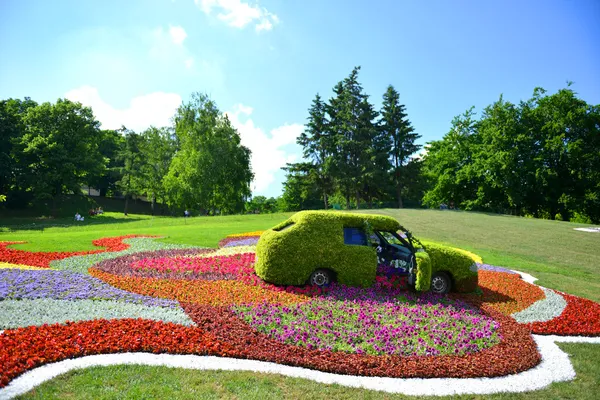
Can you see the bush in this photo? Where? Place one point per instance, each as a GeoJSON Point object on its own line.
{"type": "Point", "coordinates": [580, 218]}
{"type": "Point", "coordinates": [423, 281]}
{"type": "Point", "coordinates": [456, 262]}
{"type": "Point", "coordinates": [309, 240]}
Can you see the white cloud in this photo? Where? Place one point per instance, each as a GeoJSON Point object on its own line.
{"type": "Point", "coordinates": [421, 153]}
{"type": "Point", "coordinates": [268, 155]}
{"type": "Point", "coordinates": [167, 47]}
{"type": "Point", "coordinates": [238, 14]}
{"type": "Point", "coordinates": [177, 34]}
{"type": "Point", "coordinates": [152, 109]}
{"type": "Point", "coordinates": [189, 63]}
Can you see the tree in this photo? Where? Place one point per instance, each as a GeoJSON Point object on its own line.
{"type": "Point", "coordinates": [59, 148]}
{"type": "Point", "coordinates": [569, 145]}
{"type": "Point", "coordinates": [397, 127]}
{"type": "Point", "coordinates": [111, 144]}
{"type": "Point", "coordinates": [446, 164]}
{"type": "Point", "coordinates": [158, 150]}
{"type": "Point", "coordinates": [373, 159]}
{"type": "Point", "coordinates": [12, 129]}
{"type": "Point", "coordinates": [352, 129]}
{"type": "Point", "coordinates": [537, 158]}
{"type": "Point", "coordinates": [317, 148]}
{"type": "Point", "coordinates": [211, 169]}
{"type": "Point", "coordinates": [133, 164]}
{"type": "Point", "coordinates": [300, 191]}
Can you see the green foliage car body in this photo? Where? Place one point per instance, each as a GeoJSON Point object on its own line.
{"type": "Point", "coordinates": [321, 246]}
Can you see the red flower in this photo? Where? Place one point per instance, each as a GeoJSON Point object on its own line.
{"type": "Point", "coordinates": [581, 317]}
{"type": "Point", "coordinates": [43, 259]}
{"type": "Point", "coordinates": [26, 348]}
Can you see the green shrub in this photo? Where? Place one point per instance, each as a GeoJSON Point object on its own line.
{"type": "Point", "coordinates": [289, 252]}
{"type": "Point", "coordinates": [558, 217]}
{"type": "Point", "coordinates": [456, 263]}
{"type": "Point", "coordinates": [580, 218]}
{"type": "Point", "coordinates": [423, 281]}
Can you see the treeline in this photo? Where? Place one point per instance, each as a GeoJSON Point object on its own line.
{"type": "Point", "coordinates": [355, 155]}
{"type": "Point", "coordinates": [540, 158]}
{"type": "Point", "coordinates": [49, 150]}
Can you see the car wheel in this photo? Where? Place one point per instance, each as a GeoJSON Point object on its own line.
{"type": "Point", "coordinates": [440, 283]}
{"type": "Point", "coordinates": [320, 277]}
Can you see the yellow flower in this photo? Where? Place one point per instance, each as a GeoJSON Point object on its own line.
{"type": "Point", "coordinates": [255, 233]}
{"type": "Point", "coordinates": [5, 265]}
{"type": "Point", "coordinates": [472, 256]}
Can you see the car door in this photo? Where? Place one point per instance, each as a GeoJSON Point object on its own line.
{"type": "Point", "coordinates": [395, 253]}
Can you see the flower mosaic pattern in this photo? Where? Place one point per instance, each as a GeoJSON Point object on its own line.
{"type": "Point", "coordinates": [35, 312]}
{"type": "Point", "coordinates": [137, 294]}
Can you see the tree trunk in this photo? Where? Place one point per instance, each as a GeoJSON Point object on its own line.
{"type": "Point", "coordinates": [325, 200]}
{"type": "Point", "coordinates": [347, 202]}
{"type": "Point", "coordinates": [153, 205]}
{"type": "Point", "coordinates": [399, 194]}
{"type": "Point", "coordinates": [357, 199]}
{"type": "Point", "coordinates": [126, 203]}
{"type": "Point", "coordinates": [54, 200]}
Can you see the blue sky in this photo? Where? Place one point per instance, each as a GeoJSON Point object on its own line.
{"type": "Point", "coordinates": [263, 62]}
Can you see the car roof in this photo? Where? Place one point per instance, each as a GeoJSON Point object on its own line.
{"type": "Point", "coordinates": [348, 219]}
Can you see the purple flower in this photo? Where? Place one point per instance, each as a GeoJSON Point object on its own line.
{"type": "Point", "coordinates": [66, 285]}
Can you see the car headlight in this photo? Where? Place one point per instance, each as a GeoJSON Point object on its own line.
{"type": "Point", "coordinates": [474, 267]}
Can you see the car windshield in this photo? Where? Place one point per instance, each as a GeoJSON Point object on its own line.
{"type": "Point", "coordinates": [391, 238]}
{"type": "Point", "coordinates": [399, 238]}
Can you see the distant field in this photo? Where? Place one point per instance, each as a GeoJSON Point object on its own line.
{"type": "Point", "coordinates": [562, 258]}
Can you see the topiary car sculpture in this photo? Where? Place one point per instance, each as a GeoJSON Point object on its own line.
{"type": "Point", "coordinates": [319, 247]}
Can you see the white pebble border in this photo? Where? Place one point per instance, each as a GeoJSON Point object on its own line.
{"type": "Point", "coordinates": [555, 367]}
{"type": "Point", "coordinates": [526, 277]}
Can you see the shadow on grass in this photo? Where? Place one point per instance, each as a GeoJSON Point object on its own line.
{"type": "Point", "coordinates": [39, 224]}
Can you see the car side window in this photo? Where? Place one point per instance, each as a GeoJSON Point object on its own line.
{"type": "Point", "coordinates": [374, 240]}
{"type": "Point", "coordinates": [355, 236]}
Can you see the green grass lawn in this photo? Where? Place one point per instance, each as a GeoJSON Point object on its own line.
{"type": "Point", "coordinates": [69, 235]}
{"type": "Point", "coordinates": [559, 256]}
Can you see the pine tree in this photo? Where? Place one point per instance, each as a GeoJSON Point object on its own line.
{"type": "Point", "coordinates": [397, 127]}
{"type": "Point", "coordinates": [317, 148]}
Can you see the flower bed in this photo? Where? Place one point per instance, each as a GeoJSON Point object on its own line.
{"type": "Point", "coordinates": [505, 292]}
{"type": "Point", "coordinates": [516, 352]}
{"type": "Point", "coordinates": [34, 312]}
{"type": "Point", "coordinates": [136, 245]}
{"type": "Point", "coordinates": [581, 317]}
{"type": "Point", "coordinates": [26, 348]}
{"type": "Point", "coordinates": [43, 259]}
{"type": "Point", "coordinates": [206, 268]}
{"type": "Point", "coordinates": [5, 265]}
{"type": "Point", "coordinates": [66, 285]}
{"type": "Point", "coordinates": [245, 234]}
{"type": "Point", "coordinates": [239, 241]}
{"type": "Point", "coordinates": [374, 327]}
{"type": "Point", "coordinates": [383, 330]}
{"type": "Point", "coordinates": [198, 291]}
